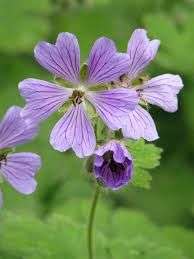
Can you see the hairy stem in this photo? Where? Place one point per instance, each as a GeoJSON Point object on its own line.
{"type": "Point", "coordinates": [91, 223]}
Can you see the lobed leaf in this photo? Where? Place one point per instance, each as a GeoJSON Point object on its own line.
{"type": "Point", "coordinates": [146, 156]}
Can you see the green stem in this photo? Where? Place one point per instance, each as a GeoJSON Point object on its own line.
{"type": "Point", "coordinates": [91, 223]}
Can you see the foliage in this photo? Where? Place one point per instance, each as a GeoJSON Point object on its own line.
{"type": "Point", "coordinates": [146, 156]}
{"type": "Point", "coordinates": [129, 234]}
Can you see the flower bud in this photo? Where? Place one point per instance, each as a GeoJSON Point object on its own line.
{"type": "Point", "coordinates": [113, 165]}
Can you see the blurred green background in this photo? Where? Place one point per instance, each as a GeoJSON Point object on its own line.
{"type": "Point", "coordinates": [154, 223]}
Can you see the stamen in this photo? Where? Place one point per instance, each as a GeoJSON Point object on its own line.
{"type": "Point", "coordinates": [77, 97]}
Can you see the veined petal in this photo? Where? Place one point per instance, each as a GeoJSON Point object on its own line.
{"type": "Point", "coordinates": [140, 124]}
{"type": "Point", "coordinates": [105, 64]}
{"type": "Point", "coordinates": [141, 51]}
{"type": "Point", "coordinates": [42, 98]}
{"type": "Point", "coordinates": [98, 160]}
{"type": "Point", "coordinates": [120, 152]}
{"type": "Point", "coordinates": [113, 105]}
{"type": "Point", "coordinates": [14, 130]}
{"type": "Point", "coordinates": [19, 170]}
{"type": "Point", "coordinates": [61, 59]}
{"type": "Point", "coordinates": [162, 91]}
{"type": "Point", "coordinates": [74, 130]}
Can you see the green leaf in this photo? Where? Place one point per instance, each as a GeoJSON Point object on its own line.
{"type": "Point", "coordinates": [146, 156]}
{"type": "Point", "coordinates": [141, 178]}
{"type": "Point", "coordinates": [182, 238]}
{"type": "Point", "coordinates": [23, 24]}
{"type": "Point", "coordinates": [118, 234]}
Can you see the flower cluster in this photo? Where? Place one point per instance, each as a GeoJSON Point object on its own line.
{"type": "Point", "coordinates": [110, 86]}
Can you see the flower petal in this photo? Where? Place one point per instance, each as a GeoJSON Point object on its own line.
{"type": "Point", "coordinates": [162, 91]}
{"type": "Point", "coordinates": [119, 152]}
{"type": "Point", "coordinates": [43, 98]}
{"type": "Point", "coordinates": [113, 165]}
{"type": "Point", "coordinates": [105, 64]}
{"type": "Point", "coordinates": [113, 180]}
{"type": "Point", "coordinates": [113, 105]}
{"type": "Point", "coordinates": [98, 160]}
{"type": "Point", "coordinates": [61, 59]}
{"type": "Point", "coordinates": [140, 124]}
{"type": "Point", "coordinates": [74, 131]}
{"type": "Point", "coordinates": [141, 51]}
{"type": "Point", "coordinates": [14, 130]}
{"type": "Point", "coordinates": [19, 170]}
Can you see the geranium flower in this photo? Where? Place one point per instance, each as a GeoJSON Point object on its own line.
{"type": "Point", "coordinates": [161, 90]}
{"type": "Point", "coordinates": [74, 130]}
{"type": "Point", "coordinates": [18, 169]}
{"type": "Point", "coordinates": [113, 165]}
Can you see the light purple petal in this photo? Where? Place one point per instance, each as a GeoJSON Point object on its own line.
{"type": "Point", "coordinates": [162, 91]}
{"type": "Point", "coordinates": [14, 130]}
{"type": "Point", "coordinates": [42, 98]}
{"type": "Point", "coordinates": [110, 146]}
{"type": "Point", "coordinates": [113, 105]}
{"type": "Point", "coordinates": [141, 51]}
{"type": "Point", "coordinates": [61, 59]}
{"type": "Point", "coordinates": [74, 131]}
{"type": "Point", "coordinates": [98, 160]}
{"type": "Point", "coordinates": [105, 64]}
{"type": "Point", "coordinates": [119, 152]}
{"type": "Point", "coordinates": [19, 170]}
{"type": "Point", "coordinates": [140, 125]}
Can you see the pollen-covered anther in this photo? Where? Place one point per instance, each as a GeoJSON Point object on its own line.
{"type": "Point", "coordinates": [77, 97]}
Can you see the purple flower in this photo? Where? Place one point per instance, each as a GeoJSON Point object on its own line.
{"type": "Point", "coordinates": [18, 169]}
{"type": "Point", "coordinates": [161, 90]}
{"type": "Point", "coordinates": [113, 165]}
{"type": "Point", "coordinates": [74, 130]}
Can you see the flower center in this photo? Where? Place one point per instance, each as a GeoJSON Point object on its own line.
{"type": "Point", "coordinates": [3, 154]}
{"type": "Point", "coordinates": [3, 157]}
{"type": "Point", "coordinates": [77, 97]}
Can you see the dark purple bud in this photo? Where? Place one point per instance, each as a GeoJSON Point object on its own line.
{"type": "Point", "coordinates": [113, 165]}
